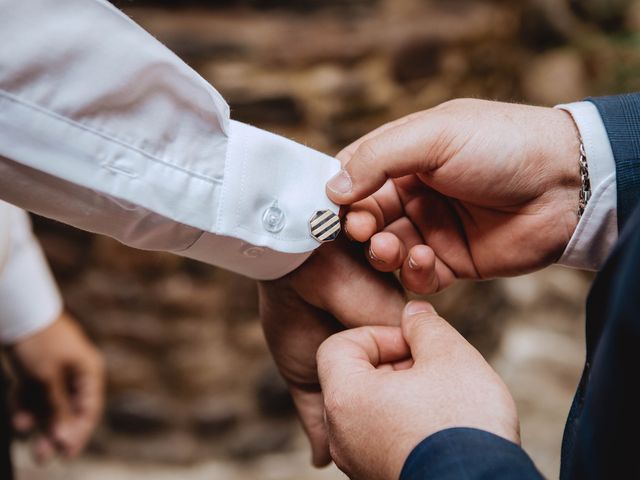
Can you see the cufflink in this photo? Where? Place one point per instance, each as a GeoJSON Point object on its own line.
{"type": "Point", "coordinates": [324, 226]}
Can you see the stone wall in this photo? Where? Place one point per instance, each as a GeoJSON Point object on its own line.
{"type": "Point", "coordinates": [189, 374]}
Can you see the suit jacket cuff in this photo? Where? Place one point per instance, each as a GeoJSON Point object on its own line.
{"type": "Point", "coordinates": [620, 116]}
{"type": "Point", "coordinates": [468, 453]}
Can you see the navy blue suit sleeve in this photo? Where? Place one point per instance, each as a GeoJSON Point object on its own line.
{"type": "Point", "coordinates": [621, 117]}
{"type": "Point", "coordinates": [468, 454]}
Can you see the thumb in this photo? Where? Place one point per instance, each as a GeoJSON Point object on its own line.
{"type": "Point", "coordinates": [355, 351]}
{"type": "Point", "coordinates": [60, 403]}
{"type": "Point", "coordinates": [428, 335]}
{"type": "Point", "coordinates": [403, 149]}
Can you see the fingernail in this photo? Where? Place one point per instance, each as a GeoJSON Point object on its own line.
{"type": "Point", "coordinates": [341, 183]}
{"type": "Point", "coordinates": [416, 307]}
{"type": "Point", "coordinates": [413, 265]}
{"type": "Point", "coordinates": [373, 256]}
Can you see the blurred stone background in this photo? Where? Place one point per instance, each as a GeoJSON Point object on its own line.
{"type": "Point", "coordinates": [192, 391]}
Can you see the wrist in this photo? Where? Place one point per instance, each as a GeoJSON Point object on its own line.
{"type": "Point", "coordinates": [567, 183]}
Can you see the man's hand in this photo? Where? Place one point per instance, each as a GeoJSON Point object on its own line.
{"type": "Point", "coordinates": [62, 388]}
{"type": "Point", "coordinates": [334, 289]}
{"type": "Point", "coordinates": [479, 189]}
{"type": "Point", "coordinates": [378, 410]}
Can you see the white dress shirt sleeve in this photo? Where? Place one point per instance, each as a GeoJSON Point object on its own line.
{"type": "Point", "coordinates": [29, 297]}
{"type": "Point", "coordinates": [104, 128]}
{"type": "Point", "coordinates": [597, 230]}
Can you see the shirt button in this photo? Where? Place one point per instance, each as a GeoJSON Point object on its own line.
{"type": "Point", "coordinates": [273, 219]}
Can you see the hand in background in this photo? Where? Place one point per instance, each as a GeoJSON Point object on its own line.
{"type": "Point", "coordinates": [62, 388]}
{"type": "Point", "coordinates": [378, 410]}
{"type": "Point", "coordinates": [469, 189]}
{"type": "Point", "coordinates": [334, 289]}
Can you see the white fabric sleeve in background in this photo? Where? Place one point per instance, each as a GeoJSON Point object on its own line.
{"type": "Point", "coordinates": [103, 128]}
{"type": "Point", "coordinates": [597, 230]}
{"type": "Point", "coordinates": [29, 297]}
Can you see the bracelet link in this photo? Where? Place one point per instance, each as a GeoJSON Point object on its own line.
{"type": "Point", "coordinates": [585, 182]}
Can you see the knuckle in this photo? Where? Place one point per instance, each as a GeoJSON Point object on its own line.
{"type": "Point", "coordinates": [431, 324]}
{"type": "Point", "coordinates": [367, 153]}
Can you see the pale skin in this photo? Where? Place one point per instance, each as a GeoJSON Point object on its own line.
{"type": "Point", "coordinates": [61, 370]}
{"type": "Point", "coordinates": [333, 290]}
{"type": "Point", "coordinates": [377, 411]}
{"type": "Point", "coordinates": [469, 189]}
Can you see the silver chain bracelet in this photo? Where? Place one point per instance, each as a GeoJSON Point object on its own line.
{"type": "Point", "coordinates": [585, 188]}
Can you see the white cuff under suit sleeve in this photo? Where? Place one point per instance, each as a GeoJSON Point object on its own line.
{"type": "Point", "coordinates": [597, 230]}
{"type": "Point", "coordinates": [104, 128]}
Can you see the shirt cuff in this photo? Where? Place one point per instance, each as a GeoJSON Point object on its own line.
{"type": "Point", "coordinates": [28, 293]}
{"type": "Point", "coordinates": [259, 263]}
{"type": "Point", "coordinates": [468, 453]}
{"type": "Point", "coordinates": [597, 230]}
{"type": "Point", "coordinates": [268, 173]}
{"type": "Point", "coordinates": [272, 188]}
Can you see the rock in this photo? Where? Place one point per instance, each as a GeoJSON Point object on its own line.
{"type": "Point", "coordinates": [609, 14]}
{"type": "Point", "coordinates": [139, 413]}
{"type": "Point", "coordinates": [633, 17]}
{"type": "Point", "coordinates": [256, 440]}
{"type": "Point", "coordinates": [274, 110]}
{"type": "Point", "coordinates": [417, 59]}
{"type": "Point", "coordinates": [130, 368]}
{"type": "Point", "coordinates": [215, 417]}
{"type": "Point", "coordinates": [555, 77]}
{"type": "Point", "coordinates": [196, 367]}
{"type": "Point", "coordinates": [540, 27]}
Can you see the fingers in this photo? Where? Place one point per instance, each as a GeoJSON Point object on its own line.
{"type": "Point", "coordinates": [361, 224]}
{"type": "Point", "coordinates": [374, 213]}
{"type": "Point", "coordinates": [310, 408]}
{"type": "Point", "coordinates": [23, 422]}
{"type": "Point", "coordinates": [419, 273]}
{"type": "Point", "coordinates": [386, 252]}
{"type": "Point", "coordinates": [351, 352]}
{"type": "Point", "coordinates": [43, 449]}
{"type": "Point", "coordinates": [427, 334]}
{"type": "Point", "coordinates": [60, 402]}
{"type": "Point", "coordinates": [87, 404]}
{"type": "Point", "coordinates": [352, 292]}
{"type": "Point", "coordinates": [410, 147]}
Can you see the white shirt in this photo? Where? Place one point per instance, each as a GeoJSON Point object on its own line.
{"type": "Point", "coordinates": [104, 128]}
{"type": "Point", "coordinates": [29, 298]}
{"type": "Point", "coordinates": [597, 230]}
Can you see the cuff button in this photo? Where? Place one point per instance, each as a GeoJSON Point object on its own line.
{"type": "Point", "coordinates": [273, 219]}
{"type": "Point", "coordinates": [324, 226]}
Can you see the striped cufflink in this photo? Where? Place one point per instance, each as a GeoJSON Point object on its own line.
{"type": "Point", "coordinates": [324, 226]}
